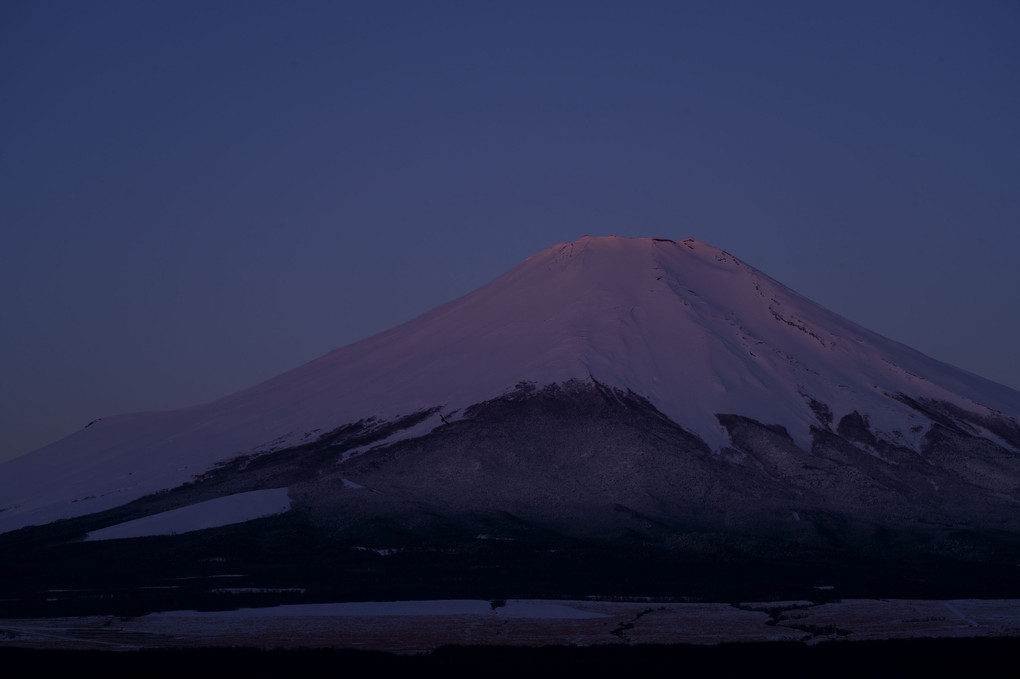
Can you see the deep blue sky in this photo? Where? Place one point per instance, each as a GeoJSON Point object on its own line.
{"type": "Point", "coordinates": [196, 196]}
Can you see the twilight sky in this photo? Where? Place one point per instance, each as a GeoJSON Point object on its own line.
{"type": "Point", "coordinates": [197, 196]}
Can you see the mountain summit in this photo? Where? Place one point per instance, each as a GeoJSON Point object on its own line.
{"type": "Point", "coordinates": [604, 387]}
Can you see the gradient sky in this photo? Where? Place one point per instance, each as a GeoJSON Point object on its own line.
{"type": "Point", "coordinates": [197, 196]}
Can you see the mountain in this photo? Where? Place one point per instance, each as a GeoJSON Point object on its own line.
{"type": "Point", "coordinates": [640, 390]}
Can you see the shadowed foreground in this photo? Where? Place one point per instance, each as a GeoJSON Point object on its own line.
{"type": "Point", "coordinates": [920, 657]}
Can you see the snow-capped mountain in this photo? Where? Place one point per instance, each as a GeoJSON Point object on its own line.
{"type": "Point", "coordinates": [669, 379]}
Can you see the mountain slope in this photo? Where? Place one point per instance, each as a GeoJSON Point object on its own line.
{"type": "Point", "coordinates": [722, 352]}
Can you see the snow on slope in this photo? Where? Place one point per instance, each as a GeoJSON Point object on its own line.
{"type": "Point", "coordinates": [222, 511]}
{"type": "Point", "coordinates": [686, 325]}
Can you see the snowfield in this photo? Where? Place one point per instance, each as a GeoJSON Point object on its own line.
{"type": "Point", "coordinates": [222, 511]}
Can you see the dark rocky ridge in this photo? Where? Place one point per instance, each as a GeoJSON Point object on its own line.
{"type": "Point", "coordinates": [592, 462]}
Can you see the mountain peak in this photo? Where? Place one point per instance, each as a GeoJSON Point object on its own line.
{"type": "Point", "coordinates": [611, 246]}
